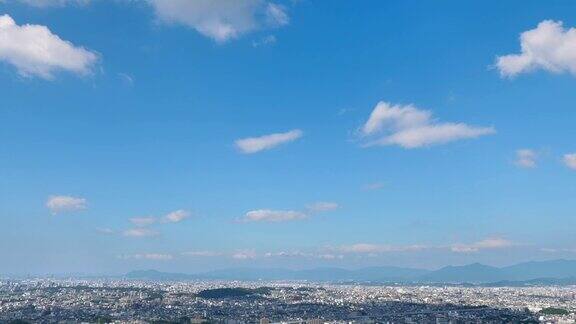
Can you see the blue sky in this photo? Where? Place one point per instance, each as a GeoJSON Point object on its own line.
{"type": "Point", "coordinates": [194, 135]}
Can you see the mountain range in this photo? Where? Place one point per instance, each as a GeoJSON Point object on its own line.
{"type": "Point", "coordinates": [535, 272]}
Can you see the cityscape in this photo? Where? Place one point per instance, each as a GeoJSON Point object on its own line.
{"type": "Point", "coordinates": [38, 300]}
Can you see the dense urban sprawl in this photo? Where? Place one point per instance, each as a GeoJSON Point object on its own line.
{"type": "Point", "coordinates": [104, 300]}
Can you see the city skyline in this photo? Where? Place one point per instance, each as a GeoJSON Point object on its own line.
{"type": "Point", "coordinates": [188, 136]}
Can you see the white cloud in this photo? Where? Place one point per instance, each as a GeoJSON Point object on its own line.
{"type": "Point", "coordinates": [374, 186]}
{"type": "Point", "coordinates": [257, 144]}
{"type": "Point", "coordinates": [176, 216]}
{"type": "Point", "coordinates": [221, 20]}
{"type": "Point", "coordinates": [60, 204]}
{"type": "Point", "coordinates": [367, 248]}
{"type": "Point", "coordinates": [105, 230]}
{"type": "Point", "coordinates": [143, 221]}
{"type": "Point", "coordinates": [363, 248]}
{"type": "Point", "coordinates": [526, 158]}
{"type": "Point", "coordinates": [322, 206]}
{"type": "Point", "coordinates": [173, 217]}
{"type": "Point", "coordinates": [35, 51]}
{"type": "Point", "coordinates": [54, 3]}
{"type": "Point", "coordinates": [410, 127]}
{"type": "Point", "coordinates": [126, 79]}
{"type": "Point", "coordinates": [148, 256]}
{"type": "Point", "coordinates": [287, 254]}
{"type": "Point", "coordinates": [300, 254]}
{"type": "Point", "coordinates": [548, 47]}
{"type": "Point", "coordinates": [329, 256]}
{"type": "Point", "coordinates": [154, 256]}
{"type": "Point", "coordinates": [201, 253]}
{"type": "Point", "coordinates": [570, 160]}
{"type": "Point", "coordinates": [264, 41]}
{"type": "Point", "coordinates": [557, 250]}
{"type": "Point", "coordinates": [548, 250]}
{"type": "Point", "coordinates": [140, 232]}
{"type": "Point", "coordinates": [276, 15]}
{"type": "Point", "coordinates": [491, 243]}
{"type": "Point", "coordinates": [266, 215]}
{"type": "Point", "coordinates": [244, 255]}
{"type": "Point", "coordinates": [486, 244]}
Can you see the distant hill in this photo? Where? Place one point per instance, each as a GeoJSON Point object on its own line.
{"type": "Point", "coordinates": [157, 275]}
{"type": "Point", "coordinates": [379, 274]}
{"type": "Point", "coordinates": [527, 273]}
{"type": "Point", "coordinates": [249, 274]}
{"type": "Point", "coordinates": [541, 269]}
{"type": "Point", "coordinates": [570, 281]}
{"type": "Point", "coordinates": [472, 273]}
{"type": "Point", "coordinates": [522, 273]}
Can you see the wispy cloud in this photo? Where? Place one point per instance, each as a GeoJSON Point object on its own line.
{"type": "Point", "coordinates": [143, 221]}
{"type": "Point", "coordinates": [410, 127]}
{"type": "Point", "coordinates": [105, 230]}
{"type": "Point", "coordinates": [570, 160]}
{"type": "Point", "coordinates": [276, 14]}
{"type": "Point", "coordinates": [60, 204]}
{"type": "Point", "coordinates": [244, 255]}
{"type": "Point", "coordinates": [287, 254]}
{"type": "Point", "coordinates": [557, 250]}
{"type": "Point", "coordinates": [526, 158]}
{"type": "Point", "coordinates": [548, 47]}
{"type": "Point", "coordinates": [322, 206]}
{"type": "Point", "coordinates": [330, 256]}
{"type": "Point", "coordinates": [140, 232]}
{"type": "Point", "coordinates": [491, 243]}
{"type": "Point", "coordinates": [201, 253]}
{"type": "Point", "coordinates": [486, 244]}
{"type": "Point", "coordinates": [53, 3]}
{"type": "Point", "coordinates": [126, 79]}
{"type": "Point", "coordinates": [147, 256]}
{"type": "Point", "coordinates": [264, 41]}
{"type": "Point", "coordinates": [363, 248]}
{"type": "Point", "coordinates": [300, 254]}
{"type": "Point", "coordinates": [267, 215]}
{"type": "Point", "coordinates": [374, 186]}
{"type": "Point", "coordinates": [359, 250]}
{"type": "Point", "coordinates": [256, 144]}
{"type": "Point", "coordinates": [36, 52]}
{"type": "Point", "coordinates": [176, 216]}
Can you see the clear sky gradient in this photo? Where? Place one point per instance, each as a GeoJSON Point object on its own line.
{"type": "Point", "coordinates": [194, 135]}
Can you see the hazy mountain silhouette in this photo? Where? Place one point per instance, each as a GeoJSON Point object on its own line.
{"type": "Point", "coordinates": [554, 271]}
{"type": "Point", "coordinates": [541, 269]}
{"type": "Point", "coordinates": [544, 271]}
{"type": "Point", "coordinates": [317, 274]}
{"type": "Point", "coordinates": [473, 273]}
